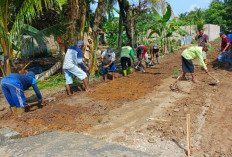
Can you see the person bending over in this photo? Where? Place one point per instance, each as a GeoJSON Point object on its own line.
{"type": "Point", "coordinates": [108, 59]}
{"type": "Point", "coordinates": [190, 54]}
{"type": "Point", "coordinates": [13, 87]}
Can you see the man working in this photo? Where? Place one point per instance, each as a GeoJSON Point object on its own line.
{"type": "Point", "coordinates": [190, 54]}
{"type": "Point", "coordinates": [154, 50]}
{"type": "Point", "coordinates": [107, 59]}
{"type": "Point", "coordinates": [73, 59]}
{"type": "Point", "coordinates": [126, 53]}
{"type": "Point", "coordinates": [13, 87]}
{"type": "Point", "coordinates": [202, 40]}
{"type": "Point", "coordinates": [141, 54]}
{"type": "Point", "coordinates": [225, 49]}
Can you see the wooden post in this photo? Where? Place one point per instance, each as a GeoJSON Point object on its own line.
{"type": "Point", "coordinates": [188, 134]}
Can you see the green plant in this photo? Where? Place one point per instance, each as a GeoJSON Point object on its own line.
{"type": "Point", "coordinates": [165, 27]}
{"type": "Point", "coordinates": [176, 72]}
{"type": "Point", "coordinates": [13, 17]}
{"type": "Point", "coordinates": [55, 80]}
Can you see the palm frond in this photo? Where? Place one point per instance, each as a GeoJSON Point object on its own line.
{"type": "Point", "coordinates": [3, 33]}
{"type": "Point", "coordinates": [40, 36]}
{"type": "Point", "coordinates": [28, 11]}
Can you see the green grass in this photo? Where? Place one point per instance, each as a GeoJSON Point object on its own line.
{"type": "Point", "coordinates": [55, 80]}
{"type": "Point", "coordinates": [212, 49]}
{"type": "Point", "coordinates": [59, 80]}
{"type": "Point", "coordinates": [176, 72]}
{"type": "Point", "coordinates": [217, 40]}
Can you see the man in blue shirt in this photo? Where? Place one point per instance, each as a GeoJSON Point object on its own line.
{"type": "Point", "coordinates": [13, 87]}
{"type": "Point", "coordinates": [73, 59]}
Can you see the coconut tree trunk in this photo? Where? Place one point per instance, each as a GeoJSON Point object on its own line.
{"type": "Point", "coordinates": [120, 33]}
{"type": "Point", "coordinates": [125, 7]}
{"type": "Point", "coordinates": [4, 41]}
{"type": "Point", "coordinates": [72, 16]}
{"type": "Point", "coordinates": [97, 19]}
{"type": "Point", "coordinates": [83, 19]}
{"type": "Point", "coordinates": [51, 71]}
{"type": "Point", "coordinates": [133, 27]}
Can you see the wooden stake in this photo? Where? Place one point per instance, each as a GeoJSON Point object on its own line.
{"type": "Point", "coordinates": [188, 134]}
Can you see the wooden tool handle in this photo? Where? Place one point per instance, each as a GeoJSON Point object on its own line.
{"type": "Point", "coordinates": [188, 134]}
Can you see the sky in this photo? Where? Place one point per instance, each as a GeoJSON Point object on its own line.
{"type": "Point", "coordinates": [178, 6]}
{"type": "Point", "coordinates": [181, 6]}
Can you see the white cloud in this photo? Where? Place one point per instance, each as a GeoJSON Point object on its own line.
{"type": "Point", "coordinates": [193, 7]}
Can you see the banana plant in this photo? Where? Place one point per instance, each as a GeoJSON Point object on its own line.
{"type": "Point", "coordinates": [13, 17]}
{"type": "Point", "coordinates": [164, 26]}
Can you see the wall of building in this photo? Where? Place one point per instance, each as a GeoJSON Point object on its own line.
{"type": "Point", "coordinates": [211, 30]}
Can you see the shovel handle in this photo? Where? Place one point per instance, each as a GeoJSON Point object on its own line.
{"type": "Point", "coordinates": [213, 77]}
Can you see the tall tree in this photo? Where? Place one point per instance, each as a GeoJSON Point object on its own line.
{"type": "Point", "coordinates": [97, 19]}
{"type": "Point", "coordinates": [124, 6]}
{"type": "Point", "coordinates": [84, 8]}
{"type": "Point", "coordinates": [72, 16]}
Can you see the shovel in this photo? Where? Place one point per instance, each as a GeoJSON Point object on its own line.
{"type": "Point", "coordinates": [217, 81]}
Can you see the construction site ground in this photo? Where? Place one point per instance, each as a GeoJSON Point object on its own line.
{"type": "Point", "coordinates": [141, 111]}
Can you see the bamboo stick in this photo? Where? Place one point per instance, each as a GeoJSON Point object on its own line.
{"type": "Point", "coordinates": [188, 134]}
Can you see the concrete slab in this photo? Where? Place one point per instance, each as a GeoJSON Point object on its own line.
{"type": "Point", "coordinates": [62, 144]}
{"type": "Point", "coordinates": [8, 134]}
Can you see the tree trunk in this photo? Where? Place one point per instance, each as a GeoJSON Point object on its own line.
{"type": "Point", "coordinates": [133, 27]}
{"type": "Point", "coordinates": [120, 33]}
{"type": "Point", "coordinates": [125, 7]}
{"type": "Point", "coordinates": [83, 19]}
{"type": "Point", "coordinates": [97, 19]}
{"type": "Point", "coordinates": [72, 16]}
{"type": "Point", "coordinates": [51, 71]}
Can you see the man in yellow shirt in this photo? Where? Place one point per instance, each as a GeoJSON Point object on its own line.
{"type": "Point", "coordinates": [190, 54]}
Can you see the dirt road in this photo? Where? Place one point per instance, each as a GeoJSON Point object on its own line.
{"type": "Point", "coordinates": [141, 112]}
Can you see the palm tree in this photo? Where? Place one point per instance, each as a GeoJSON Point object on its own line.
{"type": "Point", "coordinates": [125, 16]}
{"type": "Point", "coordinates": [97, 19]}
{"type": "Point", "coordinates": [72, 16]}
{"type": "Point", "coordinates": [13, 16]}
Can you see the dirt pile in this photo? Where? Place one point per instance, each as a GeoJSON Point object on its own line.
{"type": "Point", "coordinates": [130, 88]}
{"type": "Point", "coordinates": [51, 118]}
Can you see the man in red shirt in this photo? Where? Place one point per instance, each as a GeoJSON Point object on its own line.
{"type": "Point", "coordinates": [141, 54]}
{"type": "Point", "coordinates": [225, 49]}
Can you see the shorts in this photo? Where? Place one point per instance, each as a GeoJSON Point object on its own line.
{"type": "Point", "coordinates": [125, 61]}
{"type": "Point", "coordinates": [187, 65]}
{"type": "Point", "coordinates": [105, 70]}
{"type": "Point", "coordinates": [76, 71]}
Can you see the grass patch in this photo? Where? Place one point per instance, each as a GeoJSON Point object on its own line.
{"type": "Point", "coordinates": [176, 72]}
{"type": "Point", "coordinates": [59, 80]}
{"type": "Point", "coordinates": [55, 80]}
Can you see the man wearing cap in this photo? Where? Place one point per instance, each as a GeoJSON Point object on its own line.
{"type": "Point", "coordinates": [154, 51]}
{"type": "Point", "coordinates": [190, 54]}
{"type": "Point", "coordinates": [126, 54]}
{"type": "Point", "coordinates": [13, 87]}
{"type": "Point", "coordinates": [108, 59]}
{"type": "Point", "coordinates": [141, 54]}
{"type": "Point", "coordinates": [202, 40]}
{"type": "Point", "coordinates": [225, 49]}
{"type": "Point", "coordinates": [73, 59]}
